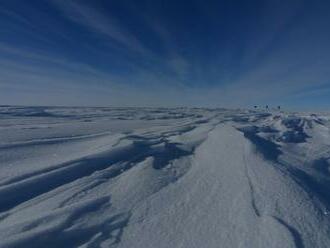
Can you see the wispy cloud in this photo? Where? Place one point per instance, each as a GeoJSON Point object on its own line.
{"type": "Point", "coordinates": [220, 53]}
{"type": "Point", "coordinates": [98, 22]}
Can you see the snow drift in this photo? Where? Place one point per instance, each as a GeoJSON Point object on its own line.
{"type": "Point", "coordinates": [158, 177]}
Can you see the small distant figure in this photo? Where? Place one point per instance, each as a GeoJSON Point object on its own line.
{"type": "Point", "coordinates": [279, 107]}
{"type": "Point", "coordinates": [255, 106]}
{"type": "Point", "coordinates": [266, 106]}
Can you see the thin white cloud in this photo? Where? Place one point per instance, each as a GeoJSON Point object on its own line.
{"type": "Point", "coordinates": [96, 21]}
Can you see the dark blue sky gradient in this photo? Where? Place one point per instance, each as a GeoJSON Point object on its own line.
{"type": "Point", "coordinates": [165, 53]}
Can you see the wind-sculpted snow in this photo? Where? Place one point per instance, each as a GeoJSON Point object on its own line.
{"type": "Point", "coordinates": [163, 177]}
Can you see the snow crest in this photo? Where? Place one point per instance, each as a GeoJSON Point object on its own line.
{"type": "Point", "coordinates": [159, 177]}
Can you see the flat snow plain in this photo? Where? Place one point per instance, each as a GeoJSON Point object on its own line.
{"type": "Point", "coordinates": [158, 177]}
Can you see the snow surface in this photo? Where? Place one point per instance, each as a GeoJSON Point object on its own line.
{"type": "Point", "coordinates": [158, 177]}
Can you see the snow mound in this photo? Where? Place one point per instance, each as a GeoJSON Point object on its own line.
{"type": "Point", "coordinates": [162, 177]}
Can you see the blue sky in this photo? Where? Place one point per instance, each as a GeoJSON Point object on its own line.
{"type": "Point", "coordinates": [165, 53]}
